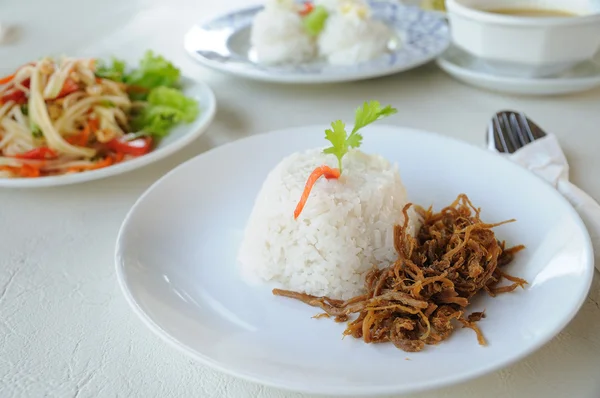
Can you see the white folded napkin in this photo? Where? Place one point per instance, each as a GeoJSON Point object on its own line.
{"type": "Point", "coordinates": [545, 158]}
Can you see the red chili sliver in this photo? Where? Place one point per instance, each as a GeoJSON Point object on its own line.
{"type": "Point", "coordinates": [18, 96]}
{"type": "Point", "coordinates": [136, 147]}
{"type": "Point", "coordinates": [308, 7]}
{"type": "Point", "coordinates": [321, 171]}
{"type": "Point", "coordinates": [69, 87]}
{"type": "Point", "coordinates": [40, 153]}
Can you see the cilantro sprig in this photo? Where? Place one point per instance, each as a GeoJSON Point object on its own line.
{"type": "Point", "coordinates": [341, 142]}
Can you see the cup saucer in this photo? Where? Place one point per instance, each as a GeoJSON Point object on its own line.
{"type": "Point", "coordinates": [472, 70]}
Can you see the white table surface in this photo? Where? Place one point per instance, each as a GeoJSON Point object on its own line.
{"type": "Point", "coordinates": [65, 329]}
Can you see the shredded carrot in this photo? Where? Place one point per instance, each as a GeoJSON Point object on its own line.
{"type": "Point", "coordinates": [107, 161]}
{"type": "Point", "coordinates": [94, 124]}
{"type": "Point", "coordinates": [14, 170]}
{"type": "Point", "coordinates": [83, 136]}
{"type": "Point", "coordinates": [321, 171]}
{"type": "Point", "coordinates": [28, 170]}
{"type": "Point", "coordinates": [119, 157]}
{"type": "Point", "coordinates": [7, 79]}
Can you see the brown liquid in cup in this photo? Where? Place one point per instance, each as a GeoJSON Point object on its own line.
{"type": "Point", "coordinates": [532, 12]}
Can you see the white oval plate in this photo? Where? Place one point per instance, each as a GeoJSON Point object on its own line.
{"type": "Point", "coordinates": [471, 70]}
{"type": "Point", "coordinates": [177, 139]}
{"type": "Point", "coordinates": [224, 44]}
{"type": "Point", "coordinates": [177, 268]}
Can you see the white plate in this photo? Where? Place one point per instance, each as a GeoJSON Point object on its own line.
{"type": "Point", "coordinates": [224, 44]}
{"type": "Point", "coordinates": [177, 268]}
{"type": "Point", "coordinates": [177, 139]}
{"type": "Point", "coordinates": [473, 71]}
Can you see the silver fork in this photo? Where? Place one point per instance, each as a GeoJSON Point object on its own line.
{"type": "Point", "coordinates": [511, 131]}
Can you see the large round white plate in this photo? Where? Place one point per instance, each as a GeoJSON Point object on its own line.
{"type": "Point", "coordinates": [224, 44]}
{"type": "Point", "coordinates": [177, 139]}
{"type": "Point", "coordinates": [176, 264]}
{"type": "Point", "coordinates": [471, 70]}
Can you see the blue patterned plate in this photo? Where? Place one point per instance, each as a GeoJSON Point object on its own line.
{"type": "Point", "coordinates": [224, 44]}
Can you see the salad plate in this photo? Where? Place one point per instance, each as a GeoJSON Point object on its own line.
{"type": "Point", "coordinates": [179, 137]}
{"type": "Point", "coordinates": [178, 269]}
{"type": "Point", "coordinates": [223, 44]}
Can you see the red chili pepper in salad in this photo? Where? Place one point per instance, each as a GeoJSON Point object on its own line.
{"type": "Point", "coordinates": [17, 96]}
{"type": "Point", "coordinates": [40, 153]}
{"type": "Point", "coordinates": [136, 147]}
{"type": "Point", "coordinates": [69, 87]}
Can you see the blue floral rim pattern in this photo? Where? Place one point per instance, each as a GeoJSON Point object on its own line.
{"type": "Point", "coordinates": [423, 36]}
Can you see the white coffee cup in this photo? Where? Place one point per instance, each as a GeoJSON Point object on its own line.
{"type": "Point", "coordinates": [526, 46]}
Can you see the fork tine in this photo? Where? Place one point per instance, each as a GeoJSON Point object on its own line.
{"type": "Point", "coordinates": [496, 135]}
{"type": "Point", "coordinates": [499, 136]}
{"type": "Point", "coordinates": [512, 130]}
{"type": "Point", "coordinates": [526, 127]}
{"type": "Point", "coordinates": [518, 129]}
{"type": "Point", "coordinates": [509, 135]}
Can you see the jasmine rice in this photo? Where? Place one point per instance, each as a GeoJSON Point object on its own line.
{"type": "Point", "coordinates": [344, 229]}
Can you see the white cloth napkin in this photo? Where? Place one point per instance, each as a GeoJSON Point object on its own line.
{"type": "Point", "coordinates": [545, 158]}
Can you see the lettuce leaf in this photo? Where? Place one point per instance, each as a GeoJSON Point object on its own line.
{"type": "Point", "coordinates": [114, 71]}
{"type": "Point", "coordinates": [166, 108]}
{"type": "Point", "coordinates": [154, 71]}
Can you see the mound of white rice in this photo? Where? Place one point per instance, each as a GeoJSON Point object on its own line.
{"type": "Point", "coordinates": [351, 36]}
{"type": "Point", "coordinates": [278, 35]}
{"type": "Point", "coordinates": [346, 226]}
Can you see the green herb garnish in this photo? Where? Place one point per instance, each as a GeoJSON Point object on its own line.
{"type": "Point", "coordinates": [341, 142]}
{"type": "Point", "coordinates": [314, 22]}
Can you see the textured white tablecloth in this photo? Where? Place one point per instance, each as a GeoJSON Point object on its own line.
{"type": "Point", "coordinates": [65, 330]}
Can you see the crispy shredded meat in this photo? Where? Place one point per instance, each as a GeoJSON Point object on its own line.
{"type": "Point", "coordinates": [414, 301]}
